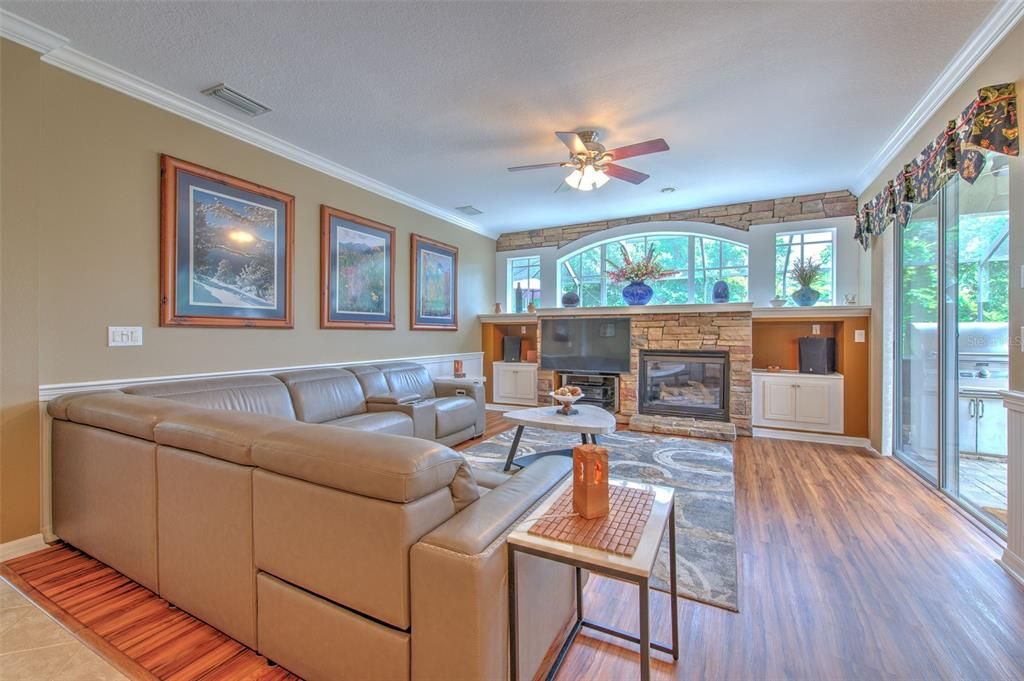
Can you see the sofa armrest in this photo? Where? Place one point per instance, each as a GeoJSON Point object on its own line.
{"type": "Point", "coordinates": [393, 398]}
{"type": "Point", "coordinates": [423, 414]}
{"type": "Point", "coordinates": [459, 585]}
{"type": "Point", "coordinates": [452, 387]}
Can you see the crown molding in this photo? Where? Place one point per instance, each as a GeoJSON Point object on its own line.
{"type": "Point", "coordinates": [56, 52]}
{"type": "Point", "coordinates": [31, 35]}
{"type": "Point", "coordinates": [999, 22]}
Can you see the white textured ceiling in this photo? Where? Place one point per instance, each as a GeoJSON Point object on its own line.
{"type": "Point", "coordinates": [757, 99]}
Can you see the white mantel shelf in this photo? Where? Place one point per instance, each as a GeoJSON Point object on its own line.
{"type": "Point", "coordinates": [818, 312]}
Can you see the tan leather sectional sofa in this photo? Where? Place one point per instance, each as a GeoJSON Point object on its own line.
{"type": "Point", "coordinates": [310, 527]}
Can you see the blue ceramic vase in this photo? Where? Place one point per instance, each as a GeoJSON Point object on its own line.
{"type": "Point", "coordinates": [570, 299]}
{"type": "Point", "coordinates": [637, 293]}
{"type": "Point", "coordinates": [720, 293]}
{"type": "Point", "coordinates": [806, 296]}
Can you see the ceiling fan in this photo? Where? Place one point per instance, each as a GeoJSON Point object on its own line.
{"type": "Point", "coordinates": [593, 165]}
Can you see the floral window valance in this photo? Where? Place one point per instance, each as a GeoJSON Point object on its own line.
{"type": "Point", "coordinates": [989, 123]}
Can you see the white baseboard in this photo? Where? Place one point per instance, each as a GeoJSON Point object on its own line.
{"type": "Point", "coordinates": [1013, 564]}
{"type": "Point", "coordinates": [820, 438]}
{"type": "Point", "coordinates": [21, 547]}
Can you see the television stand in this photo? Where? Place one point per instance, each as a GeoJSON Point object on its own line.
{"type": "Point", "coordinates": [600, 390]}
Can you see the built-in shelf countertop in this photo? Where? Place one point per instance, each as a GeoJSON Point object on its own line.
{"type": "Point", "coordinates": [817, 312]}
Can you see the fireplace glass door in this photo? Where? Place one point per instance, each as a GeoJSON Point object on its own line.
{"type": "Point", "coordinates": [685, 384]}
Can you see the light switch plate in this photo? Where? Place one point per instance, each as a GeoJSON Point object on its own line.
{"type": "Point", "coordinates": [816, 329]}
{"type": "Point", "coordinates": [858, 336]}
{"type": "Point", "coordinates": [121, 336]}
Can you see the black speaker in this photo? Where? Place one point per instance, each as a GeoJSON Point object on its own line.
{"type": "Point", "coordinates": [817, 355]}
{"type": "Point", "coordinates": [512, 347]}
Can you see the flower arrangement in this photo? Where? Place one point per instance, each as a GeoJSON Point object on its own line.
{"type": "Point", "coordinates": [805, 271]}
{"type": "Point", "coordinates": [647, 269]}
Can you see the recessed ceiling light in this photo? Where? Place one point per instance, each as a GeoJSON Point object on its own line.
{"type": "Point", "coordinates": [468, 210]}
{"type": "Point", "coordinates": [667, 190]}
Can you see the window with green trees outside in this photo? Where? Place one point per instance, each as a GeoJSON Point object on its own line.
{"type": "Point", "coordinates": [695, 263]}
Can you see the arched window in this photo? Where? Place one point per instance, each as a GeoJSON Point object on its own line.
{"type": "Point", "coordinates": [696, 263]}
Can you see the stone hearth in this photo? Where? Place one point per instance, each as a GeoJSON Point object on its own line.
{"type": "Point", "coordinates": [676, 328]}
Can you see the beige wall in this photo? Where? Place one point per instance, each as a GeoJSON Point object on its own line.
{"type": "Point", "coordinates": [96, 234]}
{"type": "Point", "coordinates": [1004, 64]}
{"type": "Point", "coordinates": [19, 335]}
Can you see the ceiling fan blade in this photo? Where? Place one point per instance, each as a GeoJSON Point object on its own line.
{"type": "Point", "coordinates": [623, 173]}
{"type": "Point", "coordinates": [639, 149]}
{"type": "Point", "coordinates": [562, 187]}
{"type": "Point", "coordinates": [573, 141]}
{"type": "Point", "coordinates": [535, 166]}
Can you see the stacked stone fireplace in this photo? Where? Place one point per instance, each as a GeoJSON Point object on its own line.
{"type": "Point", "coordinates": [682, 396]}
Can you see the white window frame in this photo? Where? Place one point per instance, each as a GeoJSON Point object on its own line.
{"type": "Point", "coordinates": [690, 275]}
{"type": "Point", "coordinates": [801, 232]}
{"type": "Point", "coordinates": [510, 293]}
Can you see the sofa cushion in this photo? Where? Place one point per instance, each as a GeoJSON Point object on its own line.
{"type": "Point", "coordinates": [393, 422]}
{"type": "Point", "coordinates": [127, 414]}
{"type": "Point", "coordinates": [218, 433]}
{"type": "Point", "coordinates": [454, 414]}
{"type": "Point", "coordinates": [258, 394]}
{"type": "Point", "coordinates": [378, 465]}
{"type": "Point", "coordinates": [408, 377]}
{"type": "Point", "coordinates": [371, 379]}
{"type": "Point", "coordinates": [321, 395]}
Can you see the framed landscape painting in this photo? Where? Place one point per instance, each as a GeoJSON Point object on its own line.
{"type": "Point", "coordinates": [225, 249]}
{"type": "Point", "coordinates": [435, 285]}
{"type": "Point", "coordinates": [357, 272]}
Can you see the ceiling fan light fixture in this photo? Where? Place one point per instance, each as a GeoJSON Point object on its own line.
{"type": "Point", "coordinates": [587, 179]}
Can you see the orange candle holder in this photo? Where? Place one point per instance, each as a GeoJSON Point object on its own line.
{"type": "Point", "coordinates": [458, 371]}
{"type": "Point", "coordinates": [590, 481]}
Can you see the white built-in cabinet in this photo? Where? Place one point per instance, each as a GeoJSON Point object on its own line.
{"type": "Point", "coordinates": [515, 383]}
{"type": "Point", "coordinates": [798, 401]}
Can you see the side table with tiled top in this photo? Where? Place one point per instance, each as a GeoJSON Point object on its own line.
{"type": "Point", "coordinates": [626, 551]}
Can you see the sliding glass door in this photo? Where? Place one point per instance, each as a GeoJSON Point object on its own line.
{"type": "Point", "coordinates": [917, 381]}
{"type": "Point", "coordinates": [953, 341]}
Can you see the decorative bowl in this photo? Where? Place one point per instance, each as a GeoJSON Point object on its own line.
{"type": "Point", "coordinates": [777, 302]}
{"type": "Point", "coordinates": [566, 401]}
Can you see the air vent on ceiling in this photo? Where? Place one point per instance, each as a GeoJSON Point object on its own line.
{"type": "Point", "coordinates": [468, 210]}
{"type": "Point", "coordinates": [236, 99]}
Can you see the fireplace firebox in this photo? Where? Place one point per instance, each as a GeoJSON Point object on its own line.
{"type": "Point", "coordinates": [686, 383]}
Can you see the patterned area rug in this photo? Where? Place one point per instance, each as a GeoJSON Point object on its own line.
{"type": "Point", "coordinates": [701, 473]}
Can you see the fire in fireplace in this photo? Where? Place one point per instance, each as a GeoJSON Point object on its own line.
{"type": "Point", "coordinates": [684, 383]}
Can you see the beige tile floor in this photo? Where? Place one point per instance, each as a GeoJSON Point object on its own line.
{"type": "Point", "coordinates": [34, 647]}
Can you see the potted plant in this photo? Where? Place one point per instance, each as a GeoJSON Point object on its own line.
{"type": "Point", "coordinates": [637, 273]}
{"type": "Point", "coordinates": [805, 272]}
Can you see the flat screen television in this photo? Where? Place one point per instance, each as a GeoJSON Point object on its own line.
{"type": "Point", "coordinates": [589, 344]}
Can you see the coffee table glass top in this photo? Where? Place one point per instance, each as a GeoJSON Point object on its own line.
{"type": "Point", "coordinates": [590, 419]}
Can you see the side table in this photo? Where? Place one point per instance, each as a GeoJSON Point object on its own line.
{"type": "Point", "coordinates": [635, 569]}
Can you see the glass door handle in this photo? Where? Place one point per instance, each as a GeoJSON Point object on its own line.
{"type": "Point", "coordinates": [981, 409]}
{"type": "Point", "coordinates": [971, 408]}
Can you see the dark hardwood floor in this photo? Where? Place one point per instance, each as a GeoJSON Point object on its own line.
{"type": "Point", "coordinates": [850, 568]}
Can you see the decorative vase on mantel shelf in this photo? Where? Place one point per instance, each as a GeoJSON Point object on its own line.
{"type": "Point", "coordinates": [805, 272]}
{"type": "Point", "coordinates": [637, 293]}
{"type": "Point", "coordinates": [570, 299]}
{"type": "Point", "coordinates": [720, 292]}
{"type": "Point", "coordinates": [637, 272]}
{"type": "Point", "coordinates": [806, 296]}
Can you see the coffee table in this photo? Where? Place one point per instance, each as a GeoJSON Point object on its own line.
{"type": "Point", "coordinates": [589, 422]}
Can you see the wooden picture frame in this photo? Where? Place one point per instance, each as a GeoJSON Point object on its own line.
{"type": "Point", "coordinates": [226, 250]}
{"type": "Point", "coordinates": [434, 285]}
{"type": "Point", "coordinates": [344, 236]}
